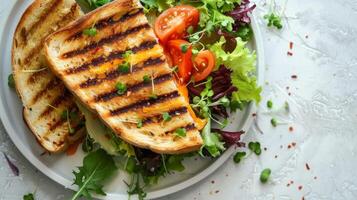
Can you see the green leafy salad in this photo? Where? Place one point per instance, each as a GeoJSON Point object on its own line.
{"type": "Point", "coordinates": [210, 59]}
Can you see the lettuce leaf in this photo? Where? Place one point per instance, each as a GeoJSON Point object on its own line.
{"type": "Point", "coordinates": [242, 62]}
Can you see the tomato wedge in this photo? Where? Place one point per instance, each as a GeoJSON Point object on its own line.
{"type": "Point", "coordinates": [174, 22]}
{"type": "Point", "coordinates": [181, 55]}
{"type": "Point", "coordinates": [204, 64]}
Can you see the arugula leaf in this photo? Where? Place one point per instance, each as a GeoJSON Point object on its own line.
{"type": "Point", "coordinates": [29, 196]}
{"type": "Point", "coordinates": [135, 188]}
{"type": "Point", "coordinates": [211, 141]}
{"type": "Point", "coordinates": [174, 163]}
{"type": "Point", "coordinates": [92, 4]}
{"type": "Point", "coordinates": [158, 5]}
{"type": "Point", "coordinates": [97, 167]}
{"type": "Point", "coordinates": [242, 63]}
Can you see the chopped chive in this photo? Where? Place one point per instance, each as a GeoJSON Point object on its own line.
{"type": "Point", "coordinates": [11, 81]}
{"type": "Point", "coordinates": [140, 123]}
{"type": "Point", "coordinates": [184, 48]}
{"type": "Point", "coordinates": [124, 67]}
{"type": "Point", "coordinates": [274, 122]}
{"type": "Point", "coordinates": [264, 175]}
{"type": "Point", "coordinates": [270, 104]}
{"type": "Point", "coordinates": [166, 116]}
{"type": "Point", "coordinates": [90, 31]}
{"type": "Point", "coordinates": [153, 96]}
{"type": "Point", "coordinates": [121, 88]}
{"type": "Point", "coordinates": [146, 79]}
{"type": "Point", "coordinates": [127, 53]}
{"type": "Point", "coordinates": [180, 132]}
{"type": "Point", "coordinates": [238, 157]}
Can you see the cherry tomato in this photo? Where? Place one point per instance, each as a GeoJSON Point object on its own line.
{"type": "Point", "coordinates": [204, 64]}
{"type": "Point", "coordinates": [174, 22]}
{"type": "Point", "coordinates": [181, 55]}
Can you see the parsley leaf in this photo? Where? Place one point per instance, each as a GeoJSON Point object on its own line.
{"type": "Point", "coordinates": [97, 167]}
{"type": "Point", "coordinates": [121, 88]}
{"type": "Point", "coordinates": [166, 116]}
{"type": "Point", "coordinates": [28, 196]}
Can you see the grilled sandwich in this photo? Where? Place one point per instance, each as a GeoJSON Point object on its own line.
{"type": "Point", "coordinates": [119, 72]}
{"type": "Point", "coordinates": [47, 103]}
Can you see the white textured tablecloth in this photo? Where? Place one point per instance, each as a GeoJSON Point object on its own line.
{"type": "Point", "coordinates": [323, 104]}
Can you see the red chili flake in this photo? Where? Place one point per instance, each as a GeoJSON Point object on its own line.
{"type": "Point", "coordinates": [294, 76]}
{"type": "Point", "coordinates": [216, 191]}
{"type": "Point", "coordinates": [287, 185]}
{"type": "Point", "coordinates": [287, 87]}
{"type": "Point", "coordinates": [307, 166]}
{"type": "Point", "coordinates": [300, 187]}
{"type": "Point", "coordinates": [289, 146]}
{"type": "Point", "coordinates": [291, 45]}
{"type": "Point", "coordinates": [254, 114]}
{"type": "Point", "coordinates": [212, 181]}
{"type": "Point", "coordinates": [303, 198]}
{"type": "Point", "coordinates": [293, 144]}
{"type": "Point", "coordinates": [276, 156]}
{"type": "Point", "coordinates": [291, 129]}
{"type": "Point", "coordinates": [290, 53]}
{"type": "Point", "coordinates": [289, 93]}
{"type": "Point", "coordinates": [265, 148]}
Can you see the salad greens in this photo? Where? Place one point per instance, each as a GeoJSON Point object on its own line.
{"type": "Point", "coordinates": [28, 196]}
{"type": "Point", "coordinates": [97, 167]}
{"type": "Point", "coordinates": [230, 86]}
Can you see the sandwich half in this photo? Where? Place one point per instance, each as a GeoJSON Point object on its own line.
{"type": "Point", "coordinates": [112, 61]}
{"type": "Point", "coordinates": [49, 109]}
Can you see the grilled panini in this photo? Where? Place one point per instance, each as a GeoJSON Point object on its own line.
{"type": "Point", "coordinates": [127, 100]}
{"type": "Point", "coordinates": [47, 103]}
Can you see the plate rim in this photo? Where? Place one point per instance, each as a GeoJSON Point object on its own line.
{"type": "Point", "coordinates": [50, 173]}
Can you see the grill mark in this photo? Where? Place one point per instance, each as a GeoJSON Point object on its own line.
{"type": "Point", "coordinates": [108, 22]}
{"type": "Point", "coordinates": [146, 102]}
{"type": "Point", "coordinates": [111, 75]}
{"type": "Point", "coordinates": [106, 40]}
{"type": "Point", "coordinates": [57, 101]}
{"type": "Point", "coordinates": [57, 124]}
{"type": "Point", "coordinates": [112, 56]}
{"type": "Point", "coordinates": [50, 85]}
{"type": "Point", "coordinates": [39, 46]}
{"type": "Point", "coordinates": [158, 118]}
{"type": "Point", "coordinates": [45, 13]}
{"type": "Point", "coordinates": [188, 127]}
{"type": "Point", "coordinates": [34, 76]}
{"type": "Point", "coordinates": [132, 88]}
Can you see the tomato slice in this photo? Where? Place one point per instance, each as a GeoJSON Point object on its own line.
{"type": "Point", "coordinates": [181, 55]}
{"type": "Point", "coordinates": [204, 64]}
{"type": "Point", "coordinates": [173, 23]}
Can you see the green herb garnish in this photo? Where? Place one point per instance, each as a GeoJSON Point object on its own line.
{"type": "Point", "coordinates": [124, 67]}
{"type": "Point", "coordinates": [264, 175]}
{"type": "Point", "coordinates": [127, 54]}
{"type": "Point", "coordinates": [180, 132]}
{"type": "Point", "coordinates": [135, 188]}
{"type": "Point", "coordinates": [166, 116]}
{"type": "Point", "coordinates": [90, 32]}
{"type": "Point", "coordinates": [97, 167]}
{"type": "Point", "coordinates": [153, 96]}
{"type": "Point", "coordinates": [255, 147]}
{"type": "Point", "coordinates": [139, 123]}
{"type": "Point", "coordinates": [269, 104]}
{"type": "Point", "coordinates": [88, 144]}
{"type": "Point", "coordinates": [28, 196]}
{"type": "Point", "coordinates": [273, 20]}
{"type": "Point", "coordinates": [146, 79]}
{"type": "Point", "coordinates": [238, 157]}
{"type": "Point", "coordinates": [274, 122]}
{"type": "Point", "coordinates": [121, 88]}
{"type": "Point", "coordinates": [11, 81]}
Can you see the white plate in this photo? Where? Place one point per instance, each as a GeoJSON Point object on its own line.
{"type": "Point", "coordinates": [60, 167]}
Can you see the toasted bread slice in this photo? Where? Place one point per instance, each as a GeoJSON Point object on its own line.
{"type": "Point", "coordinates": [44, 96]}
{"type": "Point", "coordinates": [88, 65]}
